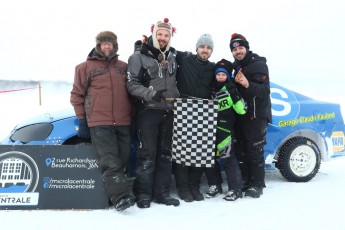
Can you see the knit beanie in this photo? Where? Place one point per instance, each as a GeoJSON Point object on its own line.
{"type": "Point", "coordinates": [238, 40]}
{"type": "Point", "coordinates": [107, 36]}
{"type": "Point", "coordinates": [205, 39]}
{"type": "Point", "coordinates": [223, 66]}
{"type": "Point", "coordinates": [162, 25]}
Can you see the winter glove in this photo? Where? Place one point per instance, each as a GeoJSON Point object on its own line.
{"type": "Point", "coordinates": [229, 85]}
{"type": "Point", "coordinates": [159, 95]}
{"type": "Point", "coordinates": [83, 131]}
{"type": "Point", "coordinates": [137, 45]}
{"type": "Point", "coordinates": [235, 95]}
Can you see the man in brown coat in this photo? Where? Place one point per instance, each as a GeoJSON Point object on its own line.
{"type": "Point", "coordinates": [101, 102]}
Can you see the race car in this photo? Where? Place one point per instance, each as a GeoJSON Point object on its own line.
{"type": "Point", "coordinates": [303, 132]}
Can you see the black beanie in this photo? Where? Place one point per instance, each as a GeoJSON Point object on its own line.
{"type": "Point", "coordinates": [223, 66]}
{"type": "Point", "coordinates": [238, 40]}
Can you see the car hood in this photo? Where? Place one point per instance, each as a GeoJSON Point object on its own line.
{"type": "Point", "coordinates": [48, 117]}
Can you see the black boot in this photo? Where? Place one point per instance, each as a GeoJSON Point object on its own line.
{"type": "Point", "coordinates": [144, 203]}
{"type": "Point", "coordinates": [257, 182]}
{"type": "Point", "coordinates": [257, 172]}
{"type": "Point", "coordinates": [194, 183]}
{"type": "Point", "coordinates": [168, 200]}
{"type": "Point", "coordinates": [186, 195]}
{"type": "Point", "coordinates": [196, 194]}
{"type": "Point", "coordinates": [124, 203]}
{"type": "Point", "coordinates": [254, 192]}
{"type": "Point", "coordinates": [181, 174]}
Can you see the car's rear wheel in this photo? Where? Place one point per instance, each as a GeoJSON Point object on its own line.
{"type": "Point", "coordinates": [77, 141]}
{"type": "Point", "coordinates": [299, 159]}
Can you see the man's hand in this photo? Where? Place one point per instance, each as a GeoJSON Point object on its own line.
{"type": "Point", "coordinates": [241, 79]}
{"type": "Point", "coordinates": [159, 95]}
{"type": "Point", "coordinates": [83, 131]}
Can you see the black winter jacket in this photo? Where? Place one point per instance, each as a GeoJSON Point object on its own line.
{"type": "Point", "coordinates": [194, 76]}
{"type": "Point", "coordinates": [257, 95]}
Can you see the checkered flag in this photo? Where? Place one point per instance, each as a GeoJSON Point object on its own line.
{"type": "Point", "coordinates": [194, 135]}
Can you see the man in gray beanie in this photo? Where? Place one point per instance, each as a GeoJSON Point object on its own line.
{"type": "Point", "coordinates": [206, 40]}
{"type": "Point", "coordinates": [194, 77]}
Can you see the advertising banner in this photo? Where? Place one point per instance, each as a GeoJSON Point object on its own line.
{"type": "Point", "coordinates": [50, 177]}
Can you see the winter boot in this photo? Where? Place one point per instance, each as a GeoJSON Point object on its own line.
{"type": "Point", "coordinates": [254, 192]}
{"type": "Point", "coordinates": [168, 201]}
{"type": "Point", "coordinates": [185, 195]}
{"type": "Point", "coordinates": [196, 194]}
{"type": "Point", "coordinates": [233, 195]}
{"type": "Point", "coordinates": [124, 203]}
{"type": "Point", "coordinates": [214, 191]}
{"type": "Point", "coordinates": [257, 170]}
{"type": "Point", "coordinates": [194, 183]}
{"type": "Point", "coordinates": [144, 203]}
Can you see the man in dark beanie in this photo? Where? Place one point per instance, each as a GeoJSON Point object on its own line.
{"type": "Point", "coordinates": [252, 81]}
{"type": "Point", "coordinates": [102, 105]}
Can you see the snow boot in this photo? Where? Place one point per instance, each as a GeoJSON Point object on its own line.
{"type": "Point", "coordinates": [214, 191]}
{"type": "Point", "coordinates": [196, 194]}
{"type": "Point", "coordinates": [254, 192]}
{"type": "Point", "coordinates": [233, 195]}
{"type": "Point", "coordinates": [124, 203]}
{"type": "Point", "coordinates": [168, 201]}
{"type": "Point", "coordinates": [186, 195]}
{"type": "Point", "coordinates": [144, 203]}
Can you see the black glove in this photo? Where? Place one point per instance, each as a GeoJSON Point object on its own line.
{"type": "Point", "coordinates": [159, 95]}
{"type": "Point", "coordinates": [235, 95]}
{"type": "Point", "coordinates": [83, 131]}
{"type": "Point", "coordinates": [230, 85]}
{"type": "Point", "coordinates": [137, 45]}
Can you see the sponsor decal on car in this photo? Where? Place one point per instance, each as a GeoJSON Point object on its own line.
{"type": "Point", "coordinates": [338, 140]}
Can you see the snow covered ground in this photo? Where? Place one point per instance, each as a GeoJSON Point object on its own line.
{"type": "Point", "coordinates": [318, 204]}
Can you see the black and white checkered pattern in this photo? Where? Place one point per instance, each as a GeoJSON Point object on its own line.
{"type": "Point", "coordinates": [194, 135]}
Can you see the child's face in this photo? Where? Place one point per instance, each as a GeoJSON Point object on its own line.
{"type": "Point", "coordinates": [221, 77]}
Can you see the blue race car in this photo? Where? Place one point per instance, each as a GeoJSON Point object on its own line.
{"type": "Point", "coordinates": [303, 132]}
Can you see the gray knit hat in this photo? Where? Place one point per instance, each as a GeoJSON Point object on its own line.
{"type": "Point", "coordinates": [205, 39]}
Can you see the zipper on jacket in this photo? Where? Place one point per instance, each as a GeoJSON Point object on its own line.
{"type": "Point", "coordinates": [254, 105]}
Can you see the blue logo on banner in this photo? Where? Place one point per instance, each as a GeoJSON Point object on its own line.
{"type": "Point", "coordinates": [48, 161]}
{"type": "Point", "coordinates": [46, 182]}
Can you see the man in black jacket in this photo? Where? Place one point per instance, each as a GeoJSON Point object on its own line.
{"type": "Point", "coordinates": [194, 77]}
{"type": "Point", "coordinates": [252, 81]}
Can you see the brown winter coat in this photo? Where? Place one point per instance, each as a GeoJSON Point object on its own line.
{"type": "Point", "coordinates": [99, 92]}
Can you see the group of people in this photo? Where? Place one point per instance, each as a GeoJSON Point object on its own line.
{"type": "Point", "coordinates": [108, 94]}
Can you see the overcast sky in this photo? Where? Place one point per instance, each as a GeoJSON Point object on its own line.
{"type": "Point", "coordinates": [303, 40]}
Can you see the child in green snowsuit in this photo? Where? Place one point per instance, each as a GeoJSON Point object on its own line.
{"type": "Point", "coordinates": [229, 103]}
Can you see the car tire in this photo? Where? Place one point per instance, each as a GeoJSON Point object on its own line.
{"type": "Point", "coordinates": [77, 141]}
{"type": "Point", "coordinates": [299, 159]}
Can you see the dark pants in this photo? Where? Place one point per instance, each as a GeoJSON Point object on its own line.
{"type": "Point", "coordinates": [153, 166]}
{"type": "Point", "coordinates": [233, 172]}
{"type": "Point", "coordinates": [213, 175]}
{"type": "Point", "coordinates": [249, 149]}
{"type": "Point", "coordinates": [112, 146]}
{"type": "Point", "coordinates": [187, 178]}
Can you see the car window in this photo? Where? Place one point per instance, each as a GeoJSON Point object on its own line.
{"type": "Point", "coordinates": [34, 132]}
